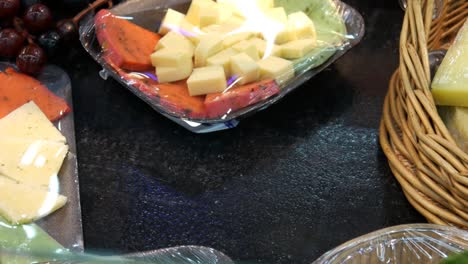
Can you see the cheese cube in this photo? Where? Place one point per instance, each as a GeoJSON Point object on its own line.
{"type": "Point", "coordinates": [208, 46]}
{"type": "Point", "coordinates": [450, 84]}
{"type": "Point", "coordinates": [297, 49]}
{"type": "Point", "coordinates": [286, 34]}
{"type": "Point", "coordinates": [170, 58]}
{"type": "Point", "coordinates": [232, 23]}
{"type": "Point", "coordinates": [207, 80]}
{"type": "Point", "coordinates": [264, 50]}
{"type": "Point", "coordinates": [29, 122]}
{"type": "Point", "coordinates": [244, 68]}
{"type": "Point", "coordinates": [195, 9]}
{"type": "Point", "coordinates": [234, 5]}
{"type": "Point", "coordinates": [22, 204]}
{"type": "Point", "coordinates": [191, 32]}
{"type": "Point", "coordinates": [234, 38]}
{"type": "Point", "coordinates": [172, 74]}
{"type": "Point", "coordinates": [225, 12]}
{"type": "Point", "coordinates": [209, 15]}
{"type": "Point", "coordinates": [303, 26]}
{"type": "Point", "coordinates": [222, 58]}
{"type": "Point", "coordinates": [248, 48]}
{"type": "Point", "coordinates": [175, 41]}
{"type": "Point", "coordinates": [171, 21]}
{"type": "Point", "coordinates": [277, 14]}
{"type": "Point", "coordinates": [265, 4]}
{"type": "Point", "coordinates": [276, 68]}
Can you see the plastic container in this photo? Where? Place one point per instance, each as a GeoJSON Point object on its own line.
{"type": "Point", "coordinates": [415, 243]}
{"type": "Point", "coordinates": [338, 26]}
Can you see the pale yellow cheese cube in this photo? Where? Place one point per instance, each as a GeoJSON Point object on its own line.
{"type": "Point", "coordinates": [297, 49]}
{"type": "Point", "coordinates": [234, 5]}
{"type": "Point", "coordinates": [209, 15]}
{"type": "Point", "coordinates": [303, 26]}
{"type": "Point", "coordinates": [208, 46]}
{"type": "Point", "coordinates": [190, 31]}
{"type": "Point", "coordinates": [276, 68]}
{"type": "Point", "coordinates": [222, 58]}
{"type": "Point", "coordinates": [277, 14]}
{"type": "Point", "coordinates": [232, 23]}
{"type": "Point", "coordinates": [244, 68]}
{"type": "Point", "coordinates": [172, 74]}
{"type": "Point", "coordinates": [265, 50]}
{"type": "Point", "coordinates": [174, 40]}
{"type": "Point", "coordinates": [171, 21]}
{"type": "Point", "coordinates": [234, 38]}
{"type": "Point", "coordinates": [215, 28]}
{"type": "Point", "coordinates": [170, 58]}
{"type": "Point", "coordinates": [225, 12]}
{"type": "Point", "coordinates": [23, 204]}
{"type": "Point", "coordinates": [248, 48]}
{"type": "Point", "coordinates": [207, 80]}
{"type": "Point", "coordinates": [195, 9]}
{"type": "Point", "coordinates": [286, 34]}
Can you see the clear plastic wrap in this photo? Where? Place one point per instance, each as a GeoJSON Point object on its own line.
{"type": "Point", "coordinates": [414, 243]}
{"type": "Point", "coordinates": [38, 163]}
{"type": "Point", "coordinates": [290, 50]}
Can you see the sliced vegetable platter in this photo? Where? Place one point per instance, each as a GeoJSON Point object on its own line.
{"type": "Point", "coordinates": [183, 94]}
{"type": "Point", "coordinates": [38, 110]}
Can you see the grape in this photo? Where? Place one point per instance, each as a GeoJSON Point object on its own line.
{"type": "Point", "coordinates": [31, 59]}
{"type": "Point", "coordinates": [67, 29]}
{"type": "Point", "coordinates": [11, 42]}
{"type": "Point", "coordinates": [49, 41]}
{"type": "Point", "coordinates": [37, 18]}
{"type": "Point", "coordinates": [9, 8]}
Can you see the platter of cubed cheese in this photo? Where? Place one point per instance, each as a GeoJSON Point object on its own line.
{"type": "Point", "coordinates": [39, 192]}
{"type": "Point", "coordinates": [206, 62]}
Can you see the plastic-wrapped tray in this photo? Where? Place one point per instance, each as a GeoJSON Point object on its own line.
{"type": "Point", "coordinates": [415, 243]}
{"type": "Point", "coordinates": [339, 27]}
{"type": "Point", "coordinates": [64, 225]}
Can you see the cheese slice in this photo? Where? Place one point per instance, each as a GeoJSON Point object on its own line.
{"type": "Point", "coordinates": [21, 204]}
{"type": "Point", "coordinates": [32, 162]}
{"type": "Point", "coordinates": [450, 85]}
{"type": "Point", "coordinates": [29, 122]}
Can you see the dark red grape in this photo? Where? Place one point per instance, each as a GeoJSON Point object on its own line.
{"type": "Point", "coordinates": [49, 41]}
{"type": "Point", "coordinates": [67, 29]}
{"type": "Point", "coordinates": [9, 8]}
{"type": "Point", "coordinates": [31, 59]}
{"type": "Point", "coordinates": [37, 18]}
{"type": "Point", "coordinates": [10, 42]}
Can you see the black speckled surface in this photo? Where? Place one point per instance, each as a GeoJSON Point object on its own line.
{"type": "Point", "coordinates": [288, 184]}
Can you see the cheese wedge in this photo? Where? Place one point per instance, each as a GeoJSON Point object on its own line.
{"type": "Point", "coordinates": [450, 84]}
{"type": "Point", "coordinates": [207, 80]}
{"type": "Point", "coordinates": [28, 122]}
{"type": "Point", "coordinates": [171, 21]}
{"type": "Point", "coordinates": [21, 204]}
{"type": "Point", "coordinates": [174, 40]}
{"type": "Point", "coordinates": [244, 68]}
{"type": "Point", "coordinates": [32, 162]}
{"type": "Point", "coordinates": [276, 68]}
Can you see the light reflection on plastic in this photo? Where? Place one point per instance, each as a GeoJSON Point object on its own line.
{"type": "Point", "coordinates": [125, 17]}
{"type": "Point", "coordinates": [29, 231]}
{"type": "Point", "coordinates": [51, 197]}
{"type": "Point", "coordinates": [192, 124]}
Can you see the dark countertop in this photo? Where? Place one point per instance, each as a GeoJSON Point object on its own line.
{"type": "Point", "coordinates": [288, 184]}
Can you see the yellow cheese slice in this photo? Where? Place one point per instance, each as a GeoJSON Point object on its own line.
{"type": "Point", "coordinates": [21, 204]}
{"type": "Point", "coordinates": [32, 162]}
{"type": "Point", "coordinates": [28, 122]}
{"type": "Point", "coordinates": [450, 84]}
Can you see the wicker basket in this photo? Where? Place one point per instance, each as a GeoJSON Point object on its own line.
{"type": "Point", "coordinates": [423, 156]}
